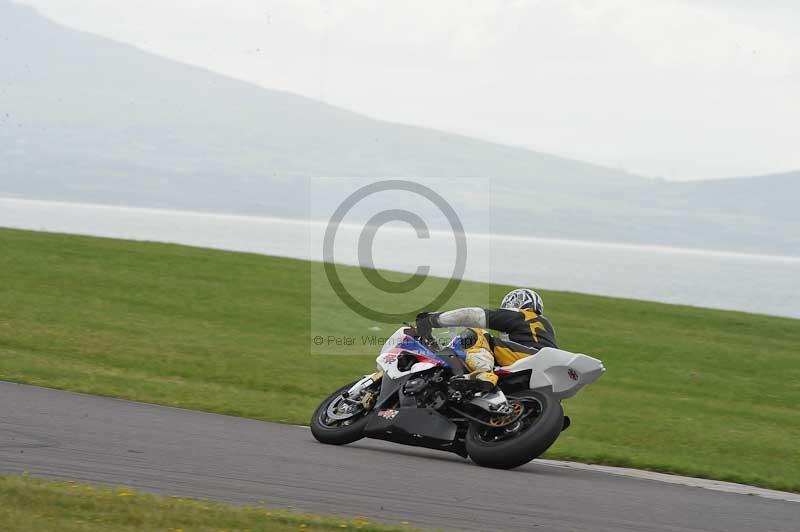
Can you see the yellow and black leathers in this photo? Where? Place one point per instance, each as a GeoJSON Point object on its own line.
{"type": "Point", "coordinates": [523, 333]}
{"type": "Point", "coordinates": [522, 327]}
{"type": "Point", "coordinates": [478, 346]}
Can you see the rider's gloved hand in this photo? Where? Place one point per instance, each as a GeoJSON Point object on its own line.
{"type": "Point", "coordinates": [425, 325]}
{"type": "Point", "coordinates": [411, 331]}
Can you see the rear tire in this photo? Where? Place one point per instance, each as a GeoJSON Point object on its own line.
{"type": "Point", "coordinates": [337, 434]}
{"type": "Point", "coordinates": [520, 449]}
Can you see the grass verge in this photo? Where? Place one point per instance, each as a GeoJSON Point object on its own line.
{"type": "Point", "coordinates": [48, 506]}
{"type": "Point", "coordinates": [688, 390]}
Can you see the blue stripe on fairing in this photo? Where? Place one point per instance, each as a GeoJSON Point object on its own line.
{"type": "Point", "coordinates": [414, 346]}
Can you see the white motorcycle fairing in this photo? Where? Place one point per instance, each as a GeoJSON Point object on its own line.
{"type": "Point", "coordinates": [387, 359]}
{"type": "Point", "coordinates": [560, 372]}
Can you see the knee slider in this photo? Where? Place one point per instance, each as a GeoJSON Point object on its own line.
{"type": "Point", "coordinates": [468, 338]}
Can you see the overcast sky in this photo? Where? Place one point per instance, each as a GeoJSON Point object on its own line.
{"type": "Point", "coordinates": [670, 88]}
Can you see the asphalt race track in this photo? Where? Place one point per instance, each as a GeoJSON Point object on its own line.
{"type": "Point", "coordinates": [180, 452]}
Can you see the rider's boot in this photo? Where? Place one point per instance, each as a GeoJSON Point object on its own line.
{"type": "Point", "coordinates": [475, 382]}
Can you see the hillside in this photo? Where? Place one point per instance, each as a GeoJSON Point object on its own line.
{"type": "Point", "coordinates": [84, 118]}
{"type": "Point", "coordinates": [772, 197]}
{"type": "Point", "coordinates": [90, 119]}
{"type": "Point", "coordinates": [687, 390]}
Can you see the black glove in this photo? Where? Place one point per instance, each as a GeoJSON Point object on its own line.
{"type": "Point", "coordinates": [425, 325]}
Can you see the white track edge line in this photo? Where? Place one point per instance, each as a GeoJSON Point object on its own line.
{"type": "Point", "coordinates": [714, 485]}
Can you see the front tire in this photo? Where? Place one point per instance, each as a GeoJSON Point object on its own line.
{"type": "Point", "coordinates": [489, 447]}
{"type": "Point", "coordinates": [337, 433]}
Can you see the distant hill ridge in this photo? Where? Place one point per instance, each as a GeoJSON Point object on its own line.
{"type": "Point", "coordinates": [84, 118]}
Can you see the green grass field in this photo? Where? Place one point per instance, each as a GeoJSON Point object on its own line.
{"type": "Point", "coordinates": [688, 390]}
{"type": "Point", "coordinates": [30, 504]}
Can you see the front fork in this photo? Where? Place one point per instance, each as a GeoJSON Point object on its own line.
{"type": "Point", "coordinates": [364, 383]}
{"type": "Point", "coordinates": [358, 392]}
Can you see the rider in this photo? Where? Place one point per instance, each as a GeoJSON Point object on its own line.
{"type": "Point", "coordinates": [524, 331]}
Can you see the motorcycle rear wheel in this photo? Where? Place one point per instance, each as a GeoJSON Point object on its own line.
{"type": "Point", "coordinates": [333, 432]}
{"type": "Point", "coordinates": [501, 449]}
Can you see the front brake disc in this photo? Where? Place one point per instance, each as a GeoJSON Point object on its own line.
{"type": "Point", "coordinates": [334, 413]}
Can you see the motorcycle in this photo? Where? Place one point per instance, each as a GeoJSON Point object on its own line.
{"type": "Point", "coordinates": [409, 401]}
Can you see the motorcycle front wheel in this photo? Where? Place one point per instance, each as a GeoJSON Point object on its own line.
{"type": "Point", "coordinates": [337, 422]}
{"type": "Point", "coordinates": [511, 446]}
